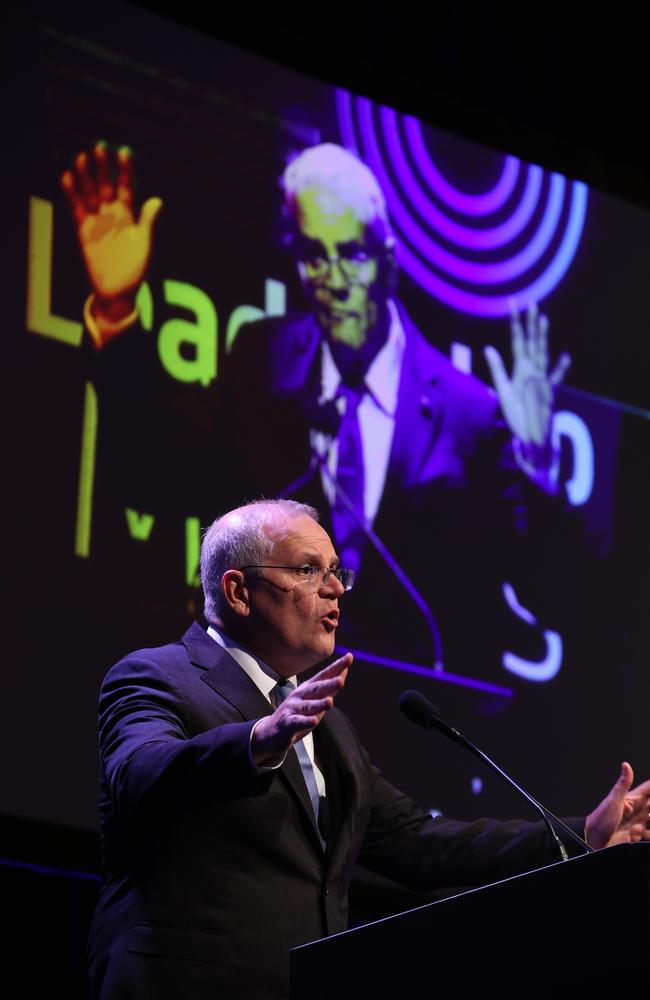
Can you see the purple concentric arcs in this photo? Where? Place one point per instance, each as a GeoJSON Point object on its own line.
{"type": "Point", "coordinates": [475, 252]}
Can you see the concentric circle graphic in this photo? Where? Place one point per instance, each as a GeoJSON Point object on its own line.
{"type": "Point", "coordinates": [476, 252]}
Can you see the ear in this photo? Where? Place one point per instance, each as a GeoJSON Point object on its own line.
{"type": "Point", "coordinates": [235, 592]}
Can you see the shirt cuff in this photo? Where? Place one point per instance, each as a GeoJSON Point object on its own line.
{"type": "Point", "coordinates": [262, 767]}
{"type": "Point", "coordinates": [546, 477]}
{"type": "Point", "coordinates": [101, 329]}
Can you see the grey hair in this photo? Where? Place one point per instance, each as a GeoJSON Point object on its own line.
{"type": "Point", "coordinates": [241, 538]}
{"type": "Point", "coordinates": [339, 175]}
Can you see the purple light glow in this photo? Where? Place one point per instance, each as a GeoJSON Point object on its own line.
{"type": "Point", "coordinates": [465, 204]}
{"type": "Point", "coordinates": [456, 267]}
{"type": "Point", "coordinates": [464, 236]}
{"type": "Point", "coordinates": [527, 273]}
{"type": "Point", "coordinates": [422, 671]}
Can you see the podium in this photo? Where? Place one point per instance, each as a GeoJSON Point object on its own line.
{"type": "Point", "coordinates": [577, 921]}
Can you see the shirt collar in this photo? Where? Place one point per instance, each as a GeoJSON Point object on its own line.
{"type": "Point", "coordinates": [264, 678]}
{"type": "Point", "coordinates": [383, 375]}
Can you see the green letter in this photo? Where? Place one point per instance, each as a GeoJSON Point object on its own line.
{"type": "Point", "coordinates": [192, 551]}
{"type": "Point", "coordinates": [275, 304]}
{"type": "Point", "coordinates": [198, 361]}
{"type": "Point", "coordinates": [86, 473]}
{"type": "Point", "coordinates": [140, 525]}
{"type": "Point", "coordinates": [39, 279]}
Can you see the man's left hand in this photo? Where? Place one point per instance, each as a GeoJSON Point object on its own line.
{"type": "Point", "coordinates": [622, 817]}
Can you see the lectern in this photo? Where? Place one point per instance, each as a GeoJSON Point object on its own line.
{"type": "Point", "coordinates": [577, 921]}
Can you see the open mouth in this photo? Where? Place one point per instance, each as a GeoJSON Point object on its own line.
{"type": "Point", "coordinates": [331, 619]}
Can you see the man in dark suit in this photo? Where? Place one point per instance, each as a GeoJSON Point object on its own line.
{"type": "Point", "coordinates": [235, 803]}
{"type": "Point", "coordinates": [411, 459]}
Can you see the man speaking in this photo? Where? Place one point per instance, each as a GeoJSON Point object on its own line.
{"type": "Point", "coordinates": [236, 799]}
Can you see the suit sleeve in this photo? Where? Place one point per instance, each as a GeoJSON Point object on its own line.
{"type": "Point", "coordinates": [156, 756]}
{"type": "Point", "coordinates": [404, 843]}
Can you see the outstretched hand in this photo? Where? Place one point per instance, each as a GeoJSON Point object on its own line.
{"type": "Point", "coordinates": [623, 815]}
{"type": "Point", "coordinates": [527, 397]}
{"type": "Point", "coordinates": [116, 246]}
{"type": "Point", "coordinates": [300, 712]}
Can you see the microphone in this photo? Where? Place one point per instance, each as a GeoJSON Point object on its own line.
{"type": "Point", "coordinates": [420, 711]}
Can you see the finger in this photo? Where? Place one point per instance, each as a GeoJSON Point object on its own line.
{"type": "Point", "coordinates": [124, 176]}
{"type": "Point", "coordinates": [335, 668]}
{"type": "Point", "coordinates": [74, 201]}
{"type": "Point", "coordinates": [624, 780]}
{"type": "Point", "coordinates": [319, 689]}
{"type": "Point", "coordinates": [149, 214]}
{"type": "Point", "coordinates": [561, 368]}
{"type": "Point", "coordinates": [531, 328]}
{"type": "Point", "coordinates": [642, 791]}
{"type": "Point", "coordinates": [539, 346]}
{"type": "Point", "coordinates": [105, 187]}
{"type": "Point", "coordinates": [309, 706]}
{"type": "Point", "coordinates": [517, 338]}
{"type": "Point", "coordinates": [299, 725]}
{"type": "Point", "coordinates": [498, 372]}
{"type": "Point", "coordinates": [85, 185]}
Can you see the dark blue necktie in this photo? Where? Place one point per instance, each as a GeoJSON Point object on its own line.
{"type": "Point", "coordinates": [281, 691]}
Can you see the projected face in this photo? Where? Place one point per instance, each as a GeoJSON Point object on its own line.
{"type": "Point", "coordinates": [339, 265]}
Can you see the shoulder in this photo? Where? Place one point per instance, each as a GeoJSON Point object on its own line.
{"type": "Point", "coordinates": [461, 393]}
{"type": "Point", "coordinates": [292, 331]}
{"type": "Point", "coordinates": [154, 661]}
{"type": "Point", "coordinates": [276, 352]}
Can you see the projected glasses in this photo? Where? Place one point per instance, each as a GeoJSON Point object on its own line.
{"type": "Point", "coordinates": [354, 263]}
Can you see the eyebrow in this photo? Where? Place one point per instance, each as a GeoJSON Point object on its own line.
{"type": "Point", "coordinates": [313, 558]}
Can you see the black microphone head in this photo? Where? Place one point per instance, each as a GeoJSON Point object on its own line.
{"type": "Point", "coordinates": [418, 709]}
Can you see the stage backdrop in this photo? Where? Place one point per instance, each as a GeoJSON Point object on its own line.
{"type": "Point", "coordinates": [517, 606]}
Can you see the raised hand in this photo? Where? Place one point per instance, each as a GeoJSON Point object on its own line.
{"type": "Point", "coordinates": [623, 815]}
{"type": "Point", "coordinates": [527, 397]}
{"type": "Point", "coordinates": [116, 246]}
{"type": "Point", "coordinates": [300, 712]}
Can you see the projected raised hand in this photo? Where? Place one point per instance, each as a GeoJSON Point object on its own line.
{"type": "Point", "coordinates": [116, 246]}
{"type": "Point", "coordinates": [527, 396]}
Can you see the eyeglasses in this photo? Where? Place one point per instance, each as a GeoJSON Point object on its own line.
{"type": "Point", "coordinates": [354, 264]}
{"type": "Point", "coordinates": [309, 574]}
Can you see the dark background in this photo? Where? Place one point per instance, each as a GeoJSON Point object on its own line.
{"type": "Point", "coordinates": [559, 88]}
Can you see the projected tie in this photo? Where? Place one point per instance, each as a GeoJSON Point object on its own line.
{"type": "Point", "coordinates": [351, 478]}
{"type": "Point", "coordinates": [281, 691]}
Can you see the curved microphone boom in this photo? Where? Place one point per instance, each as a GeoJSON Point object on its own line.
{"type": "Point", "coordinates": [420, 711]}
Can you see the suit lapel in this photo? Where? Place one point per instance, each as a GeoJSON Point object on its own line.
{"type": "Point", "coordinates": [341, 784]}
{"type": "Point", "coordinates": [419, 409]}
{"type": "Point", "coordinates": [225, 677]}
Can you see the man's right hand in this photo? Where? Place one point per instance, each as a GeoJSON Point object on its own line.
{"type": "Point", "coordinates": [299, 713]}
{"type": "Point", "coordinates": [116, 248]}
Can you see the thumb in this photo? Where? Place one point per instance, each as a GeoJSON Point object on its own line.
{"type": "Point", "coordinates": [149, 213]}
{"type": "Point", "coordinates": [497, 370]}
{"type": "Point", "coordinates": [624, 780]}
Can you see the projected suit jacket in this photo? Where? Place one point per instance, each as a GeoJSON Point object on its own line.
{"type": "Point", "coordinates": [212, 870]}
{"type": "Point", "coordinates": [456, 511]}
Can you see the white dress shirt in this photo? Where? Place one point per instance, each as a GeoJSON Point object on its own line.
{"type": "Point", "coordinates": [265, 679]}
{"type": "Point", "coordinates": [376, 415]}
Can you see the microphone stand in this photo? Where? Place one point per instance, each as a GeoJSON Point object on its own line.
{"type": "Point", "coordinates": [419, 710]}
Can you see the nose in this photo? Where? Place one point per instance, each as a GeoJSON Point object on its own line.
{"type": "Point", "coordinates": [336, 279]}
{"type": "Point", "coordinates": [332, 585]}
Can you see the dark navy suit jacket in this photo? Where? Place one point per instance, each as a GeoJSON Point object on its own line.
{"type": "Point", "coordinates": [212, 870]}
{"type": "Point", "coordinates": [456, 512]}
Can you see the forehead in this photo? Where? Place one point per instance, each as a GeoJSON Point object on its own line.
{"type": "Point", "coordinates": [300, 539]}
{"type": "Point", "coordinates": [324, 215]}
